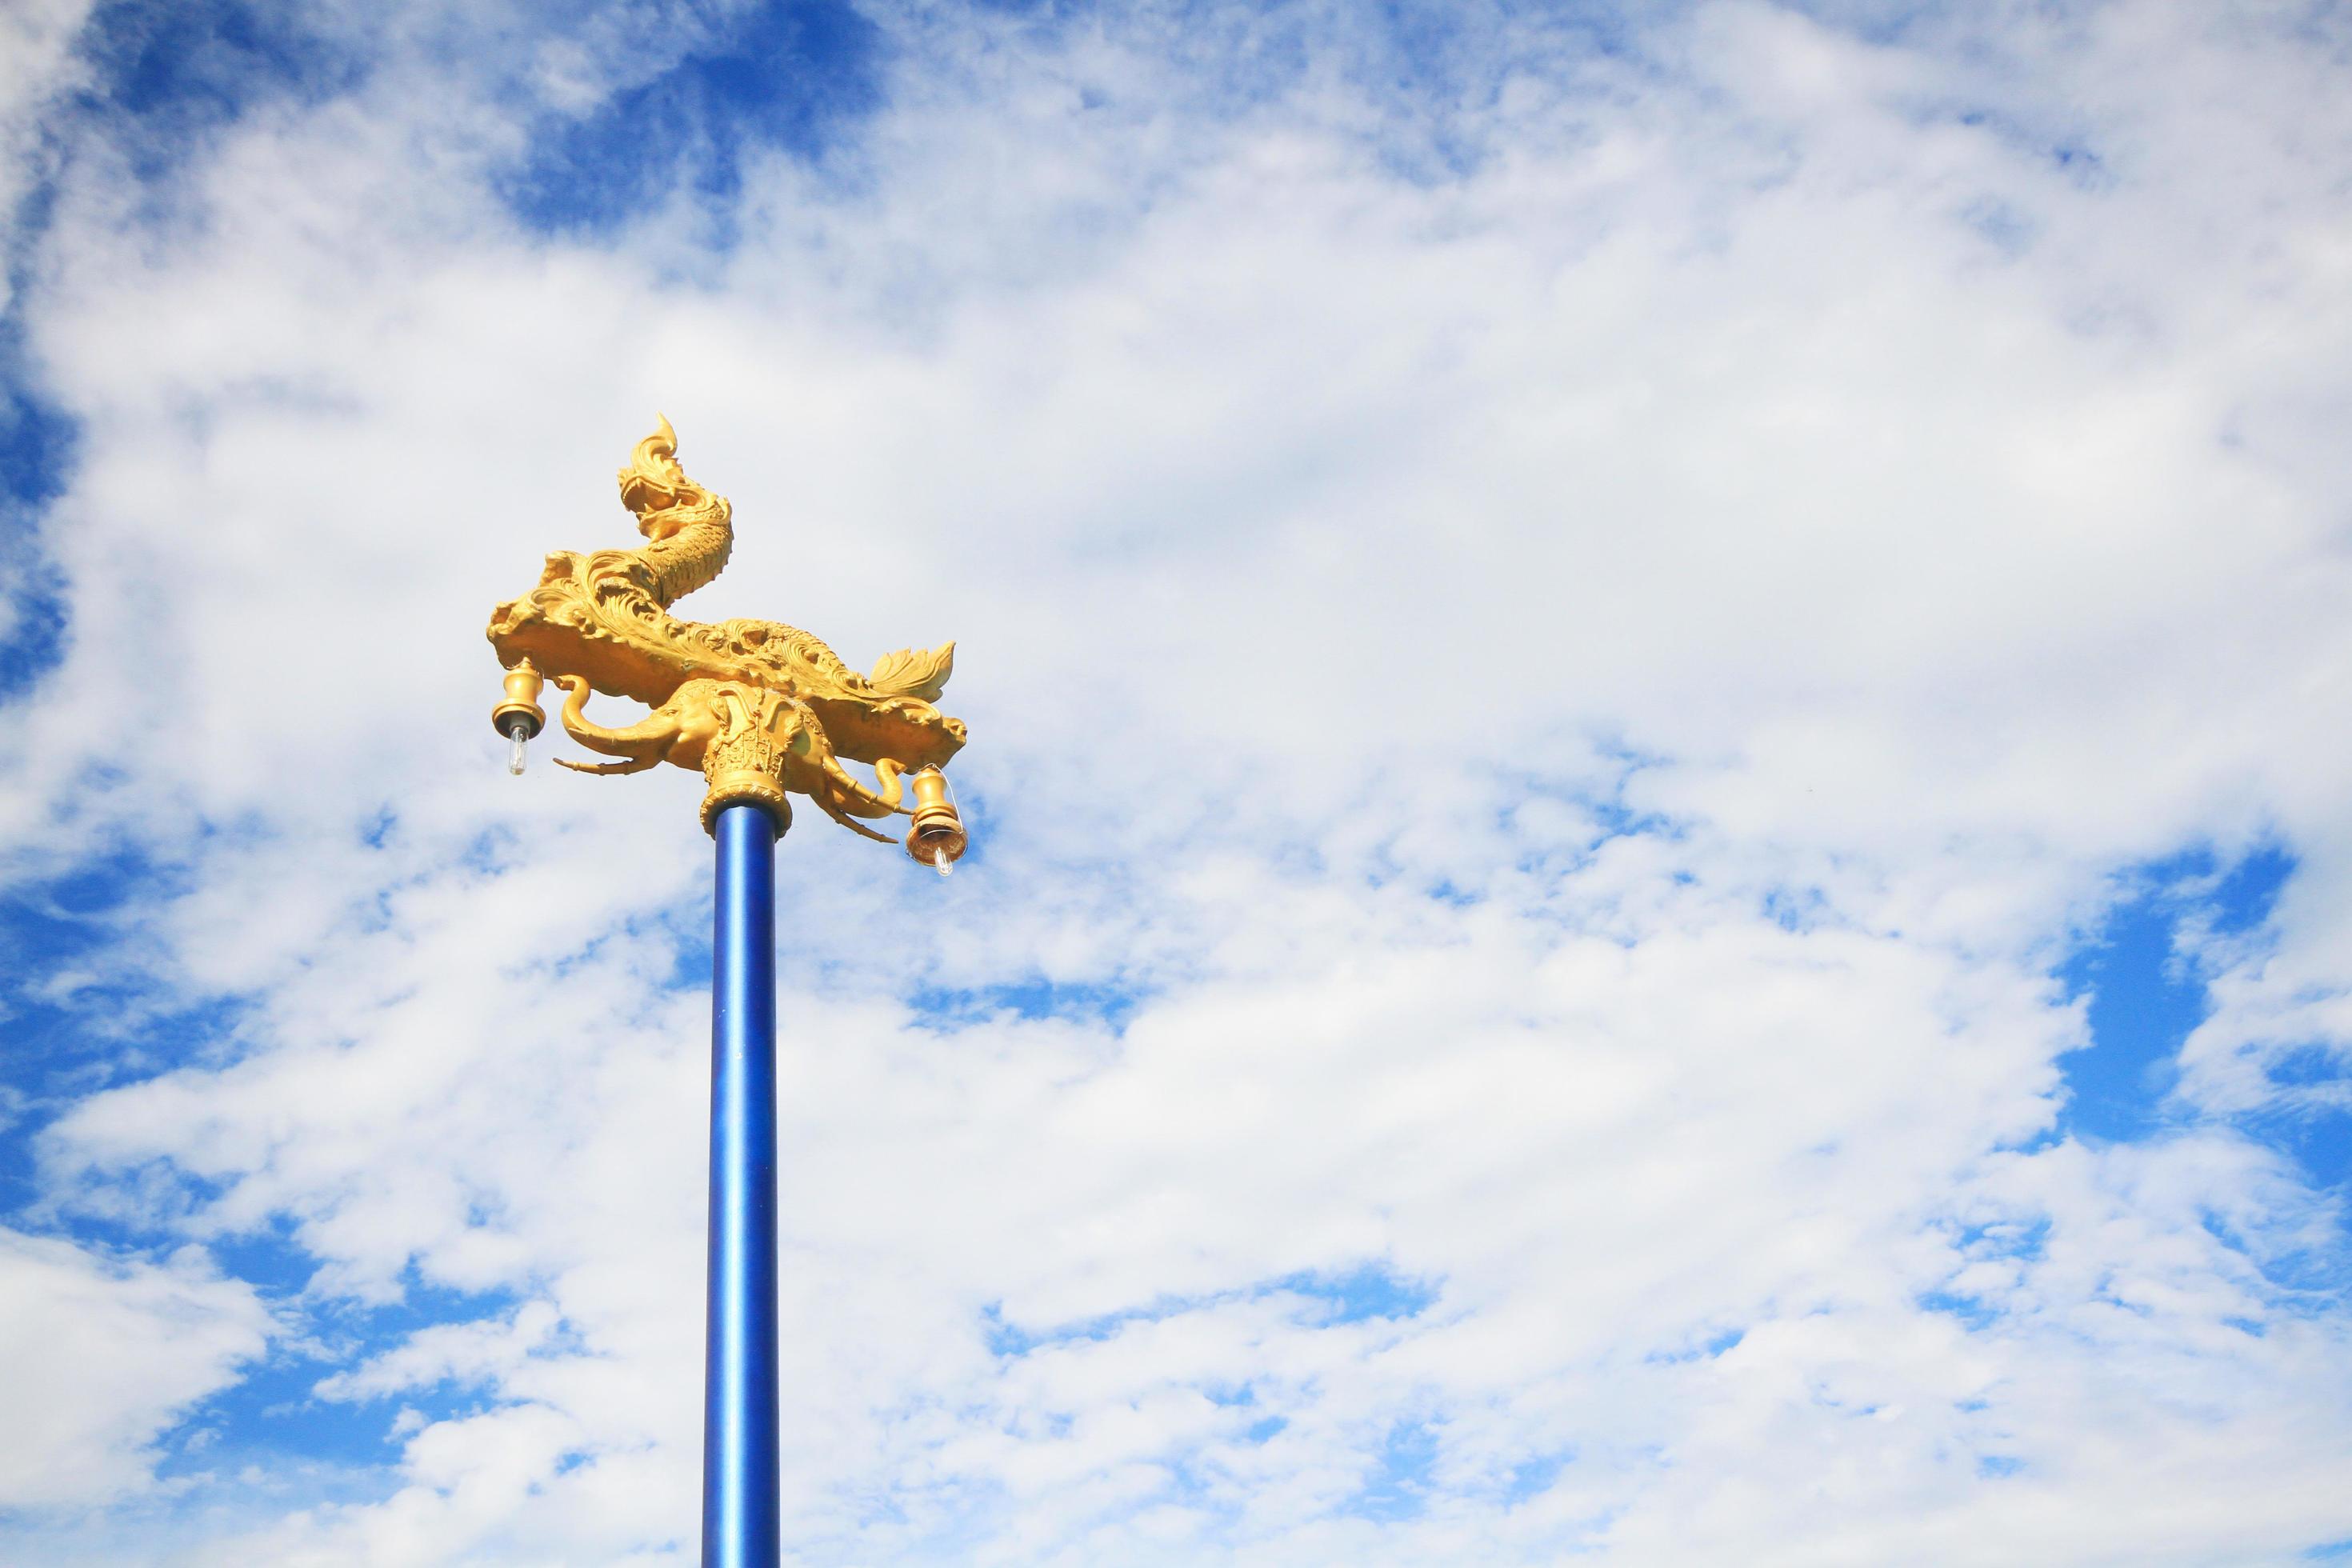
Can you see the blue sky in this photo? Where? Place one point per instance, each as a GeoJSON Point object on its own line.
{"type": "Point", "coordinates": [1661, 871]}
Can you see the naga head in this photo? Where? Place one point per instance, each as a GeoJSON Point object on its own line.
{"type": "Point", "coordinates": [656, 488]}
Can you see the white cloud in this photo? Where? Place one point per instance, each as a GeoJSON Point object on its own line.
{"type": "Point", "coordinates": [100, 1356]}
{"type": "Point", "coordinates": [35, 66]}
{"type": "Point", "coordinates": [1760, 427]}
{"type": "Point", "coordinates": [466, 1352]}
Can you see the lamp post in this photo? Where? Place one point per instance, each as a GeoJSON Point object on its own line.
{"type": "Point", "coordinates": [764, 711]}
{"type": "Point", "coordinates": [739, 1395]}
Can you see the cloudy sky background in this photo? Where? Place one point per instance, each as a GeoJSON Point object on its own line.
{"type": "Point", "coordinates": [1660, 754]}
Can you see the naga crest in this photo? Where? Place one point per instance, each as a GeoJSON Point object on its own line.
{"type": "Point", "coordinates": [762, 707]}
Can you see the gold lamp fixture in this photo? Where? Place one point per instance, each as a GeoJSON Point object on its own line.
{"type": "Point", "coordinates": [519, 717]}
{"type": "Point", "coordinates": [760, 709]}
{"type": "Point", "coordinates": [936, 838]}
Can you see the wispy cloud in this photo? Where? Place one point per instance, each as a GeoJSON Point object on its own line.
{"type": "Point", "coordinates": [101, 1356]}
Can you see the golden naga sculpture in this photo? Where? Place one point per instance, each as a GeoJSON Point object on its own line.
{"type": "Point", "coordinates": [762, 708]}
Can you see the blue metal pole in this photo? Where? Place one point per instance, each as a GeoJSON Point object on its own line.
{"type": "Point", "coordinates": [741, 1526]}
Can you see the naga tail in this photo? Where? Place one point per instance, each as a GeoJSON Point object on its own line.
{"type": "Point", "coordinates": [910, 672]}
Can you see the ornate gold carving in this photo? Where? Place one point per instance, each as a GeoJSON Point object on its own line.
{"type": "Point", "coordinates": [759, 707]}
{"type": "Point", "coordinates": [747, 759]}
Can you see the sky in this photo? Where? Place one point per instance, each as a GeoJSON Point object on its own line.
{"type": "Point", "coordinates": [1658, 773]}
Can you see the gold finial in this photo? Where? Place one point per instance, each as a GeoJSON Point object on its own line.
{"type": "Point", "coordinates": [762, 709]}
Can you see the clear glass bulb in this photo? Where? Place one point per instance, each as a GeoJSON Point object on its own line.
{"type": "Point", "coordinates": [518, 732]}
{"type": "Point", "coordinates": [939, 859]}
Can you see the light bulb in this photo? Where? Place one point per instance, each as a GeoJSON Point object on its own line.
{"type": "Point", "coordinates": [517, 733]}
{"type": "Point", "coordinates": [939, 859]}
